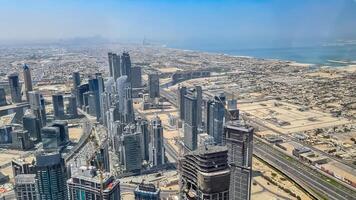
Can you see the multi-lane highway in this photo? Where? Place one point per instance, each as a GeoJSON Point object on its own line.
{"type": "Point", "coordinates": [312, 180]}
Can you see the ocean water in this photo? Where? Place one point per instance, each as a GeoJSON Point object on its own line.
{"type": "Point", "coordinates": [337, 55]}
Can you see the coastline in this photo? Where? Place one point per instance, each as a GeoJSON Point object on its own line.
{"type": "Point", "coordinates": [331, 56]}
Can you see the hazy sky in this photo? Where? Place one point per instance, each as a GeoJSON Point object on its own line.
{"type": "Point", "coordinates": [259, 23]}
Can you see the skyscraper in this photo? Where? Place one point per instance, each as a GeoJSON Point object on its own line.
{"type": "Point", "coordinates": [33, 125]}
{"type": "Point", "coordinates": [156, 145]}
{"type": "Point", "coordinates": [27, 80]}
{"type": "Point", "coordinates": [72, 107]}
{"type": "Point", "coordinates": [63, 131]}
{"type": "Point", "coordinates": [38, 107]}
{"type": "Point", "coordinates": [76, 79]}
{"type": "Point", "coordinates": [215, 118]}
{"type": "Point", "coordinates": [129, 114]}
{"type": "Point", "coordinates": [2, 97]}
{"type": "Point", "coordinates": [136, 77]}
{"type": "Point", "coordinates": [51, 176]}
{"type": "Point", "coordinates": [232, 111]}
{"type": "Point", "coordinates": [126, 66]}
{"type": "Point", "coordinates": [182, 91]}
{"type": "Point", "coordinates": [120, 85]}
{"type": "Point", "coordinates": [131, 152]}
{"type": "Point", "coordinates": [110, 61]}
{"type": "Point", "coordinates": [153, 85]}
{"type": "Point", "coordinates": [51, 138]}
{"type": "Point", "coordinates": [58, 106]}
{"type": "Point", "coordinates": [86, 183]}
{"type": "Point", "coordinates": [102, 159]}
{"type": "Point", "coordinates": [94, 87]}
{"type": "Point", "coordinates": [239, 139]}
{"type": "Point", "coordinates": [105, 104]}
{"type": "Point", "coordinates": [142, 126]}
{"type": "Point", "coordinates": [21, 140]}
{"type": "Point", "coordinates": [80, 94]}
{"type": "Point", "coordinates": [205, 174]}
{"type": "Point", "coordinates": [116, 66]}
{"type": "Point", "coordinates": [15, 87]}
{"type": "Point", "coordinates": [25, 187]}
{"type": "Point", "coordinates": [192, 117]}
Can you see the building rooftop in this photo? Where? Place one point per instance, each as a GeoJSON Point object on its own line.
{"type": "Point", "coordinates": [25, 179]}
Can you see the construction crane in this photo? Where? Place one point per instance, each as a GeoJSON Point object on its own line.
{"type": "Point", "coordinates": [93, 138]}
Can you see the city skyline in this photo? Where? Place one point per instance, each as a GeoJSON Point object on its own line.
{"type": "Point", "coordinates": [151, 100]}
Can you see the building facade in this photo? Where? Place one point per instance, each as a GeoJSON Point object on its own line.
{"type": "Point", "coordinates": [25, 187]}
{"type": "Point", "coordinates": [215, 119]}
{"type": "Point", "coordinates": [157, 150]}
{"type": "Point", "coordinates": [27, 80]}
{"type": "Point", "coordinates": [239, 140]}
{"type": "Point", "coordinates": [58, 106]}
{"type": "Point", "coordinates": [205, 174]}
{"type": "Point", "coordinates": [15, 87]}
{"type": "Point", "coordinates": [85, 184]}
{"type": "Point", "coordinates": [51, 176]}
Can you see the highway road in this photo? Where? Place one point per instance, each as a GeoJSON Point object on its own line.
{"type": "Point", "coordinates": [302, 174]}
{"type": "Point", "coordinates": [315, 182]}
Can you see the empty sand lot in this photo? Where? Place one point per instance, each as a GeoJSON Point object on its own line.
{"type": "Point", "coordinates": [288, 118]}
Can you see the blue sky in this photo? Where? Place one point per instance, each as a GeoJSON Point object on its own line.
{"type": "Point", "coordinates": [248, 23]}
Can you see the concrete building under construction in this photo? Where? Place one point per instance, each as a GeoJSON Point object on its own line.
{"type": "Point", "coordinates": [205, 174]}
{"type": "Point", "coordinates": [87, 183]}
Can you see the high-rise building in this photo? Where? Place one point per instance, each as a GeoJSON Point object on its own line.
{"type": "Point", "coordinates": [22, 166]}
{"type": "Point", "coordinates": [129, 114]}
{"type": "Point", "coordinates": [192, 117]}
{"type": "Point", "coordinates": [232, 111]}
{"type": "Point", "coordinates": [27, 80]}
{"type": "Point", "coordinates": [215, 118]}
{"type": "Point", "coordinates": [3, 101]}
{"type": "Point", "coordinates": [72, 111]}
{"type": "Point", "coordinates": [121, 84]}
{"type": "Point", "coordinates": [80, 94]}
{"type": "Point", "coordinates": [136, 77]}
{"type": "Point", "coordinates": [21, 140]}
{"type": "Point", "coordinates": [105, 104]}
{"type": "Point", "coordinates": [101, 160]}
{"type": "Point", "coordinates": [205, 174]}
{"type": "Point", "coordinates": [25, 187]}
{"type": "Point", "coordinates": [153, 85]}
{"type": "Point", "coordinates": [110, 61]}
{"type": "Point", "coordinates": [87, 183]}
{"type": "Point", "coordinates": [15, 87]}
{"type": "Point", "coordinates": [76, 79]}
{"type": "Point", "coordinates": [33, 125]}
{"type": "Point", "coordinates": [131, 152]}
{"type": "Point", "coordinates": [126, 66]}
{"type": "Point", "coordinates": [38, 107]}
{"type": "Point", "coordinates": [58, 106]}
{"type": "Point", "coordinates": [51, 138]}
{"type": "Point", "coordinates": [182, 91]}
{"type": "Point", "coordinates": [94, 87]}
{"type": "Point", "coordinates": [5, 134]}
{"type": "Point", "coordinates": [142, 127]}
{"type": "Point", "coordinates": [199, 96]}
{"type": "Point", "coordinates": [239, 139]}
{"type": "Point", "coordinates": [147, 192]}
{"type": "Point", "coordinates": [157, 145]}
{"type": "Point", "coordinates": [116, 66]}
{"type": "Point", "coordinates": [51, 176]}
{"type": "Point", "coordinates": [63, 131]}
